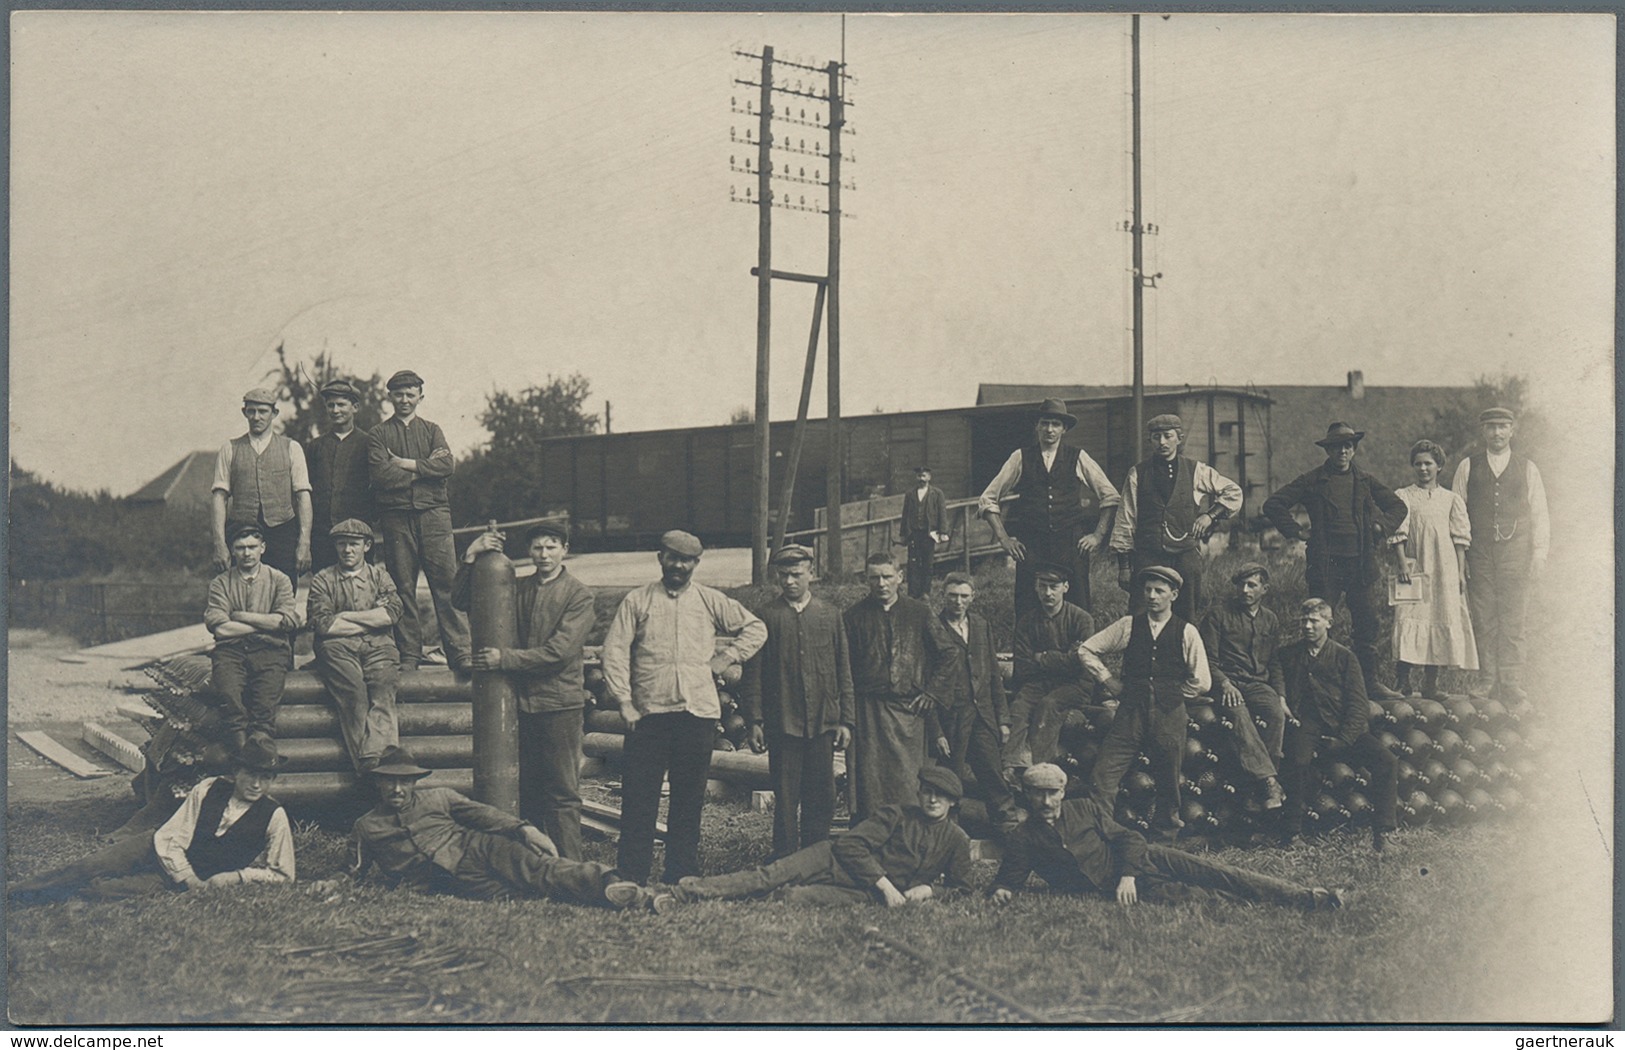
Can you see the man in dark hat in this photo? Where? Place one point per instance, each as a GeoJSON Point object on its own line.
{"type": "Point", "coordinates": [797, 698]}
{"type": "Point", "coordinates": [250, 611]}
{"type": "Point", "coordinates": [554, 612]}
{"type": "Point", "coordinates": [970, 703]}
{"type": "Point", "coordinates": [1506, 505]}
{"type": "Point", "coordinates": [440, 841]}
{"type": "Point", "coordinates": [1353, 518]}
{"type": "Point", "coordinates": [353, 608]}
{"type": "Point", "coordinates": [1048, 679]}
{"type": "Point", "coordinates": [1170, 505]}
{"type": "Point", "coordinates": [228, 832]}
{"type": "Point", "coordinates": [662, 660]}
{"type": "Point", "coordinates": [891, 858]}
{"type": "Point", "coordinates": [409, 461]}
{"type": "Point", "coordinates": [1075, 846]}
{"type": "Point", "coordinates": [340, 487]}
{"type": "Point", "coordinates": [261, 479]}
{"type": "Point", "coordinates": [1063, 494]}
{"type": "Point", "coordinates": [1241, 637]}
{"type": "Point", "coordinates": [925, 525]}
{"type": "Point", "coordinates": [1164, 665]}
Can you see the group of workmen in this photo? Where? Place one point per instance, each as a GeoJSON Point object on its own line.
{"type": "Point", "coordinates": [915, 698]}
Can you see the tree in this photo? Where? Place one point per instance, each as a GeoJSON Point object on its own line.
{"type": "Point", "coordinates": [301, 387]}
{"type": "Point", "coordinates": [503, 480]}
{"type": "Point", "coordinates": [1455, 423]}
{"type": "Point", "coordinates": [742, 414]}
{"type": "Point", "coordinates": [553, 409]}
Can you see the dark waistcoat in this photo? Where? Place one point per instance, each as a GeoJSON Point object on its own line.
{"type": "Point", "coordinates": [1497, 506]}
{"type": "Point", "coordinates": [1050, 499]}
{"type": "Point", "coordinates": [1178, 513]}
{"type": "Point", "coordinates": [1159, 657]}
{"type": "Point", "coordinates": [210, 854]}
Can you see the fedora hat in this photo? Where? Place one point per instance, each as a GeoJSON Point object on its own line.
{"type": "Point", "coordinates": [397, 762]}
{"type": "Point", "coordinates": [259, 754]}
{"type": "Point", "coordinates": [1054, 406]}
{"type": "Point", "coordinates": [1338, 433]}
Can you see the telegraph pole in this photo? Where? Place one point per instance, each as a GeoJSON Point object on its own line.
{"type": "Point", "coordinates": [1139, 252]}
{"type": "Point", "coordinates": [832, 427]}
{"type": "Point", "coordinates": [764, 327]}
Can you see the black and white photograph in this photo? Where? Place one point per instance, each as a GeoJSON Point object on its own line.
{"type": "Point", "coordinates": [588, 518]}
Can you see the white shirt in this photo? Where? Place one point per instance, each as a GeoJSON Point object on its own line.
{"type": "Point", "coordinates": [1540, 522]}
{"type": "Point", "coordinates": [1004, 482]}
{"type": "Point", "coordinates": [296, 463]}
{"type": "Point", "coordinates": [1205, 482]}
{"type": "Point", "coordinates": [274, 864]}
{"type": "Point", "coordinates": [1114, 639]}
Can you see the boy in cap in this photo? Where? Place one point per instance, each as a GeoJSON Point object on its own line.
{"type": "Point", "coordinates": [1048, 679]}
{"type": "Point", "coordinates": [409, 461]}
{"type": "Point", "coordinates": [893, 857]}
{"type": "Point", "coordinates": [1241, 638]}
{"type": "Point", "coordinates": [228, 832]}
{"type": "Point", "coordinates": [260, 479]}
{"type": "Point", "coordinates": [1170, 505]}
{"type": "Point", "coordinates": [1352, 518]}
{"type": "Point", "coordinates": [925, 524]}
{"type": "Point", "coordinates": [797, 698]}
{"type": "Point", "coordinates": [440, 841]}
{"type": "Point", "coordinates": [970, 701]}
{"type": "Point", "coordinates": [1075, 846]}
{"type": "Point", "coordinates": [1506, 505]}
{"type": "Point", "coordinates": [661, 664]}
{"type": "Point", "coordinates": [250, 611]}
{"type": "Point", "coordinates": [353, 608]}
{"type": "Point", "coordinates": [1164, 665]}
{"type": "Point", "coordinates": [553, 611]}
{"type": "Point", "coordinates": [340, 487]}
{"type": "Point", "coordinates": [1060, 489]}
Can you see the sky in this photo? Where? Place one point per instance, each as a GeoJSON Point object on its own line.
{"type": "Point", "coordinates": [491, 199]}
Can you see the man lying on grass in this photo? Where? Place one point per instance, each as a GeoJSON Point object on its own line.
{"type": "Point", "coordinates": [893, 857]}
{"type": "Point", "coordinates": [1076, 847]}
{"type": "Point", "coordinates": [228, 832]}
{"type": "Point", "coordinates": [440, 841]}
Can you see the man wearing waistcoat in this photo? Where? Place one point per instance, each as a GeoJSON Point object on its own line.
{"type": "Point", "coordinates": [340, 488]}
{"type": "Point", "coordinates": [261, 479]}
{"type": "Point", "coordinates": [925, 524]}
{"type": "Point", "coordinates": [1506, 504]}
{"type": "Point", "coordinates": [972, 709]}
{"type": "Point", "coordinates": [1170, 505]}
{"type": "Point", "coordinates": [1353, 518]}
{"type": "Point", "coordinates": [1061, 492]}
{"type": "Point", "coordinates": [1164, 665]}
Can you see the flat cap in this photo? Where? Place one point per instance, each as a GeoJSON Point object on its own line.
{"type": "Point", "coordinates": [1160, 572]}
{"type": "Point", "coordinates": [1166, 421]}
{"type": "Point", "coordinates": [685, 543]}
{"type": "Point", "coordinates": [247, 530]}
{"type": "Point", "coordinates": [922, 469]}
{"type": "Point", "coordinates": [1045, 776]}
{"type": "Point", "coordinates": [1051, 573]}
{"type": "Point", "coordinates": [792, 554]}
{"type": "Point", "coordinates": [943, 780]}
{"type": "Point", "coordinates": [341, 388]}
{"type": "Point", "coordinates": [405, 377]}
{"type": "Point", "coordinates": [1497, 415]}
{"type": "Point", "coordinates": [558, 528]}
{"type": "Point", "coordinates": [260, 395]}
{"type": "Point", "coordinates": [1251, 568]}
{"type": "Point", "coordinates": [354, 528]}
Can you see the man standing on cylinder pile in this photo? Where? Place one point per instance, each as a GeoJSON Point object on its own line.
{"type": "Point", "coordinates": [261, 481]}
{"type": "Point", "coordinates": [1170, 505]}
{"type": "Point", "coordinates": [797, 698]}
{"type": "Point", "coordinates": [553, 612]}
{"type": "Point", "coordinates": [340, 487]}
{"type": "Point", "coordinates": [661, 662]}
{"type": "Point", "coordinates": [1059, 489]}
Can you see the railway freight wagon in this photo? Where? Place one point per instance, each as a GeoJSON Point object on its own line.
{"type": "Point", "coordinates": [623, 490]}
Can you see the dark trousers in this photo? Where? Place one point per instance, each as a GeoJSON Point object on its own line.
{"type": "Point", "coordinates": [282, 549]}
{"type": "Point", "coordinates": [1342, 579]}
{"type": "Point", "coordinates": [1058, 547]}
{"type": "Point", "coordinates": [803, 772]}
{"type": "Point", "coordinates": [360, 674]}
{"type": "Point", "coordinates": [550, 776]}
{"type": "Point", "coordinates": [248, 674]}
{"type": "Point", "coordinates": [1189, 566]}
{"type": "Point", "coordinates": [675, 746]}
{"type": "Point", "coordinates": [1037, 715]}
{"type": "Point", "coordinates": [810, 875]}
{"type": "Point", "coordinates": [1150, 718]}
{"type": "Point", "coordinates": [1498, 598]}
{"type": "Point", "coordinates": [922, 550]}
{"type": "Point", "coordinates": [421, 539]}
{"type": "Point", "coordinates": [1189, 869]}
{"type": "Point", "coordinates": [497, 868]}
{"type": "Point", "coordinates": [974, 745]}
{"type": "Point", "coordinates": [1258, 750]}
{"type": "Point", "coordinates": [1304, 743]}
{"type": "Point", "coordinates": [128, 868]}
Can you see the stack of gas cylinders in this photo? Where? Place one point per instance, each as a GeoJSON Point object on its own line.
{"type": "Point", "coordinates": [731, 730]}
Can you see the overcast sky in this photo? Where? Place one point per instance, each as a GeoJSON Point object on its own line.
{"type": "Point", "coordinates": [492, 198]}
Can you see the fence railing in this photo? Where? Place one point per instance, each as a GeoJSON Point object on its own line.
{"type": "Point", "coordinates": [102, 611]}
{"type": "Point", "coordinates": [877, 525]}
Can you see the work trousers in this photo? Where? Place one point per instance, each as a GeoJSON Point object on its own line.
{"type": "Point", "coordinates": [1188, 564]}
{"type": "Point", "coordinates": [674, 746]}
{"type": "Point", "coordinates": [360, 673]}
{"type": "Point", "coordinates": [416, 540]}
{"type": "Point", "coordinates": [1189, 869]}
{"type": "Point", "coordinates": [1498, 598]}
{"type": "Point", "coordinates": [282, 548]}
{"type": "Point", "coordinates": [803, 772]}
{"type": "Point", "coordinates": [1342, 578]}
{"type": "Point", "coordinates": [888, 749]}
{"type": "Point", "coordinates": [812, 867]}
{"type": "Point", "coordinates": [1150, 718]}
{"type": "Point", "coordinates": [550, 776]}
{"type": "Point", "coordinates": [1304, 744]}
{"type": "Point", "coordinates": [1056, 547]}
{"type": "Point", "coordinates": [1037, 713]}
{"type": "Point", "coordinates": [128, 868]}
{"type": "Point", "coordinates": [497, 868]}
{"type": "Point", "coordinates": [248, 675]}
{"type": "Point", "coordinates": [922, 551]}
{"type": "Point", "coordinates": [974, 745]}
{"type": "Point", "coordinates": [1258, 750]}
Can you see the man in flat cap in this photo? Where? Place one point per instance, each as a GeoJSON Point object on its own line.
{"type": "Point", "coordinates": [440, 841]}
{"type": "Point", "coordinates": [892, 858]}
{"type": "Point", "coordinates": [1048, 679]}
{"type": "Point", "coordinates": [970, 703]}
{"type": "Point", "coordinates": [554, 612]}
{"type": "Point", "coordinates": [1062, 495]}
{"type": "Point", "coordinates": [409, 461]}
{"type": "Point", "coordinates": [1242, 637]}
{"type": "Point", "coordinates": [1506, 505]}
{"type": "Point", "coordinates": [925, 525]}
{"type": "Point", "coordinates": [662, 658]}
{"type": "Point", "coordinates": [340, 487]}
{"type": "Point", "coordinates": [1164, 665]}
{"type": "Point", "coordinates": [1353, 518]}
{"type": "Point", "coordinates": [251, 613]}
{"type": "Point", "coordinates": [1075, 846]}
{"type": "Point", "coordinates": [261, 479]}
{"type": "Point", "coordinates": [797, 698]}
{"type": "Point", "coordinates": [1170, 505]}
{"type": "Point", "coordinates": [353, 608]}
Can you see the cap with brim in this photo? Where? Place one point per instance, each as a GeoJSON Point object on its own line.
{"type": "Point", "coordinates": [260, 395]}
{"type": "Point", "coordinates": [1497, 415]}
{"type": "Point", "coordinates": [405, 377]}
{"type": "Point", "coordinates": [1051, 574]}
{"type": "Point", "coordinates": [682, 543]}
{"type": "Point", "coordinates": [922, 469]}
{"type": "Point", "coordinates": [793, 554]}
{"type": "Point", "coordinates": [260, 755]}
{"type": "Point", "coordinates": [341, 388]}
{"type": "Point", "coordinates": [1339, 433]}
{"type": "Point", "coordinates": [1167, 421]}
{"type": "Point", "coordinates": [397, 762]}
{"type": "Point", "coordinates": [1252, 568]}
{"type": "Point", "coordinates": [943, 780]}
{"type": "Point", "coordinates": [1160, 572]}
{"type": "Point", "coordinates": [1045, 776]}
{"type": "Point", "coordinates": [1054, 407]}
{"type": "Point", "coordinates": [351, 528]}
{"type": "Point", "coordinates": [556, 528]}
{"type": "Point", "coordinates": [247, 530]}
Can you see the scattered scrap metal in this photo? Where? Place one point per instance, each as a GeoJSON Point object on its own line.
{"type": "Point", "coordinates": [976, 1000]}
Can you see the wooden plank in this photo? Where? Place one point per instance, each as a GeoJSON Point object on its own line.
{"type": "Point", "coordinates": [109, 743]}
{"type": "Point", "coordinates": [136, 711]}
{"type": "Point", "coordinates": [603, 827]}
{"type": "Point", "coordinates": [49, 748]}
{"type": "Point", "coordinates": [613, 815]}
